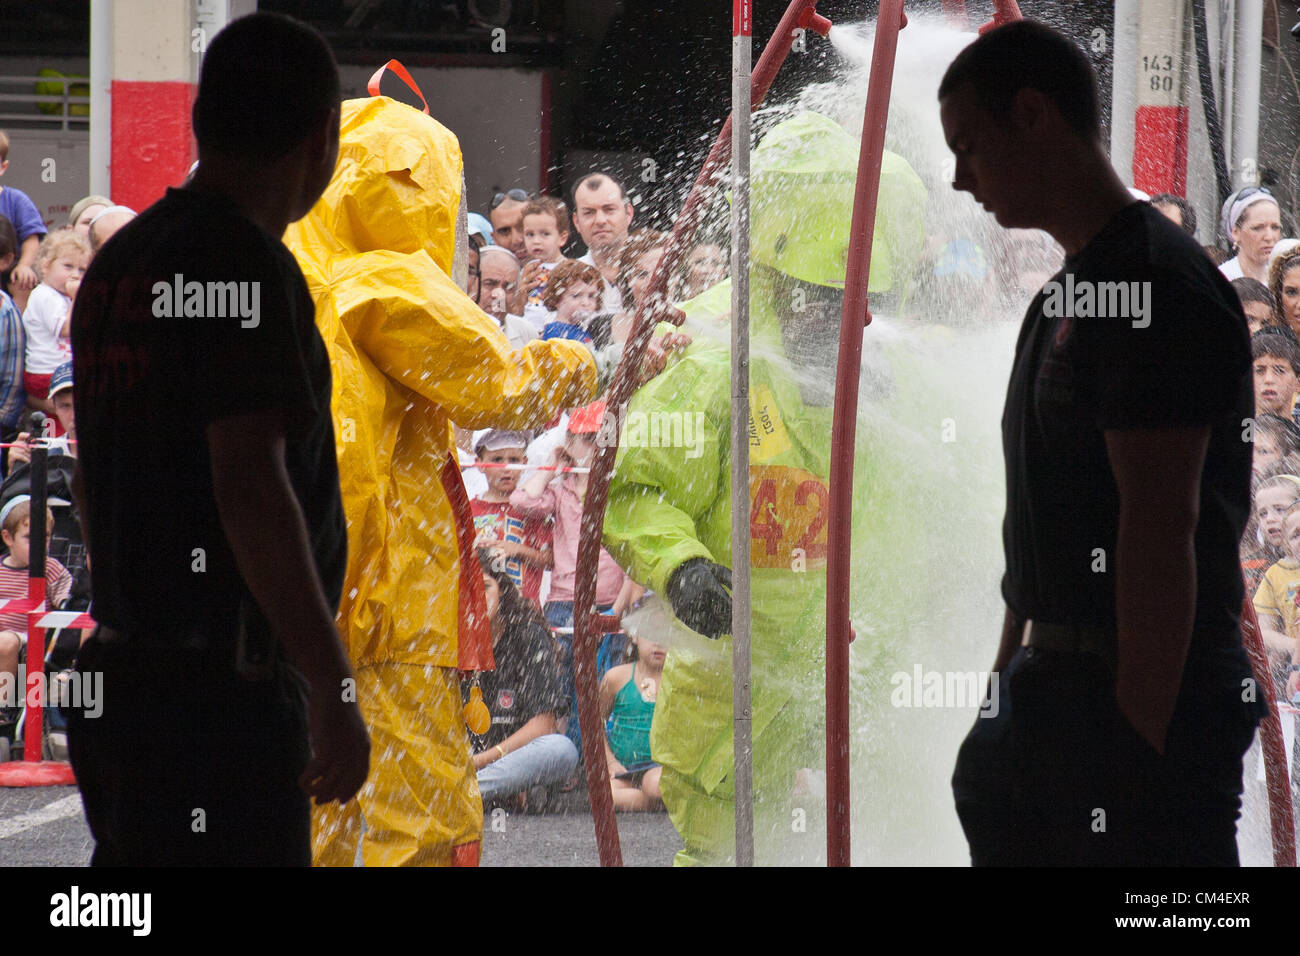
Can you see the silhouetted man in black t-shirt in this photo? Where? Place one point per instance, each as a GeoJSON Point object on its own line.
{"type": "Point", "coordinates": [209, 489]}
{"type": "Point", "coordinates": [1126, 700]}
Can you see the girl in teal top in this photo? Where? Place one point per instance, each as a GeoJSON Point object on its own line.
{"type": "Point", "coordinates": [627, 703]}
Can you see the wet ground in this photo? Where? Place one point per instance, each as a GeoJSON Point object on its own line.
{"type": "Point", "coordinates": [45, 827]}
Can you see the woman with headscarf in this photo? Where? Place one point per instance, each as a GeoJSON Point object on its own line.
{"type": "Point", "coordinates": [1252, 222]}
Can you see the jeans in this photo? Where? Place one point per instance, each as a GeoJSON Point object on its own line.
{"type": "Point", "coordinates": [608, 653]}
{"type": "Point", "coordinates": [550, 759]}
{"type": "Point", "coordinates": [1059, 776]}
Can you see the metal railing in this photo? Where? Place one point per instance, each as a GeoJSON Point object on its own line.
{"type": "Point", "coordinates": [21, 105]}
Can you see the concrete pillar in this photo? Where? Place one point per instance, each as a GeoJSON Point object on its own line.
{"type": "Point", "coordinates": [157, 48]}
{"type": "Point", "coordinates": [1160, 125]}
{"type": "Point", "coordinates": [1123, 96]}
{"type": "Point", "coordinates": [101, 96]}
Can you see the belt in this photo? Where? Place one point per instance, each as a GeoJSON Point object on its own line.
{"type": "Point", "coordinates": [166, 640]}
{"type": "Point", "coordinates": [1072, 639]}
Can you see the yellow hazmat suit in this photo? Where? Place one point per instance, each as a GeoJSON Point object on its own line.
{"type": "Point", "coordinates": [411, 353]}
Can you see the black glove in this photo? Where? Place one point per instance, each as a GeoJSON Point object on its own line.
{"type": "Point", "coordinates": [700, 593]}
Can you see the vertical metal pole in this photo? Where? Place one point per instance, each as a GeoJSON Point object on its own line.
{"type": "Point", "coordinates": [839, 537]}
{"type": "Point", "coordinates": [1249, 42]}
{"type": "Point", "coordinates": [33, 731]}
{"type": "Point", "coordinates": [1124, 85]}
{"type": "Point", "coordinates": [101, 95]}
{"type": "Point", "coordinates": [742, 32]}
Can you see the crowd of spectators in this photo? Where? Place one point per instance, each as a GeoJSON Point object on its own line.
{"type": "Point", "coordinates": [528, 487]}
{"type": "Point", "coordinates": [1265, 273]}
{"type": "Point", "coordinates": [40, 276]}
{"type": "Point", "coordinates": [533, 290]}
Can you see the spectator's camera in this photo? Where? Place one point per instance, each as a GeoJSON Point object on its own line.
{"type": "Point", "coordinates": [599, 326]}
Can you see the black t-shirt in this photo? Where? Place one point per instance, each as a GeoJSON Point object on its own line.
{"type": "Point", "coordinates": [150, 378]}
{"type": "Point", "coordinates": [525, 683]}
{"type": "Point", "coordinates": [1185, 362]}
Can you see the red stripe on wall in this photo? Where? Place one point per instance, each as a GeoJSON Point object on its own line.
{"type": "Point", "coordinates": [152, 143]}
{"type": "Point", "coordinates": [1160, 149]}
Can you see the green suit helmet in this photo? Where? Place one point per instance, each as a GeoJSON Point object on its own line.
{"type": "Point", "coordinates": [803, 176]}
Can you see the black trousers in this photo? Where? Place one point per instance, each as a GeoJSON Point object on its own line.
{"type": "Point", "coordinates": [1059, 778]}
{"type": "Point", "coordinates": [188, 763]}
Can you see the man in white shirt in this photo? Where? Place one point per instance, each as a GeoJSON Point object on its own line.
{"type": "Point", "coordinates": [602, 215]}
{"type": "Point", "coordinates": [498, 276]}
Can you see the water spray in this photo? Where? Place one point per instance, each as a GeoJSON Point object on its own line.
{"type": "Point", "coordinates": [652, 308]}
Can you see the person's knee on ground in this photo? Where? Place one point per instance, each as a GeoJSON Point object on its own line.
{"type": "Point", "coordinates": [627, 796]}
{"type": "Point", "coordinates": [650, 787]}
{"type": "Point", "coordinates": [546, 761]}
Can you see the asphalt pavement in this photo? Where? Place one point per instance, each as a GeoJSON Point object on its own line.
{"type": "Point", "coordinates": [44, 826]}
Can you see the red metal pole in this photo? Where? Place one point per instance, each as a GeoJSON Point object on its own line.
{"type": "Point", "coordinates": [742, 723]}
{"type": "Point", "coordinates": [1004, 11]}
{"type": "Point", "coordinates": [1271, 742]}
{"type": "Point", "coordinates": [843, 430]}
{"type": "Point", "coordinates": [33, 729]}
{"type": "Point", "coordinates": [32, 771]}
{"type": "Point", "coordinates": [33, 719]}
{"type": "Point", "coordinates": [588, 626]}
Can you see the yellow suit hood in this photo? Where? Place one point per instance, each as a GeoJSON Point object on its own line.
{"type": "Point", "coordinates": [410, 354]}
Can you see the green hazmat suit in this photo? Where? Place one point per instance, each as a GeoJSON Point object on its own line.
{"type": "Point", "coordinates": [670, 504]}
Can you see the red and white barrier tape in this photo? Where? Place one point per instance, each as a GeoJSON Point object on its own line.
{"type": "Point", "coordinates": [509, 466]}
{"type": "Point", "coordinates": [48, 619]}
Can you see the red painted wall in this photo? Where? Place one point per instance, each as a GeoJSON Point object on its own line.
{"type": "Point", "coordinates": [153, 146]}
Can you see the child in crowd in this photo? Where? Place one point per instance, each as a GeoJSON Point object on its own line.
{"type": "Point", "coordinates": [627, 705]}
{"type": "Point", "coordinates": [559, 497]}
{"type": "Point", "coordinates": [62, 259]}
{"type": "Point", "coordinates": [703, 268]}
{"type": "Point", "coordinates": [521, 750]}
{"type": "Point", "coordinates": [521, 546]}
{"type": "Point", "coordinates": [13, 349]}
{"type": "Point", "coordinates": [573, 292]}
{"type": "Point", "coordinates": [1275, 598]}
{"type": "Point", "coordinates": [1275, 438]}
{"type": "Point", "coordinates": [18, 208]}
{"type": "Point", "coordinates": [15, 530]}
{"type": "Point", "coordinates": [1276, 359]}
{"type": "Point", "coordinates": [1256, 302]}
{"type": "Point", "coordinates": [546, 230]}
{"type": "Point", "coordinates": [1274, 493]}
